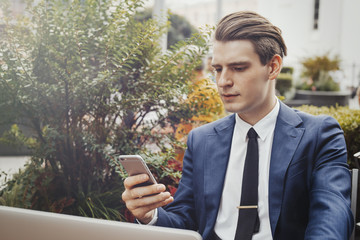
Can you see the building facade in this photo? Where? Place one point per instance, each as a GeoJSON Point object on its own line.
{"type": "Point", "coordinates": [310, 28]}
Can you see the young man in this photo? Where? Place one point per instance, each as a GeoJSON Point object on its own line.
{"type": "Point", "coordinates": [302, 190]}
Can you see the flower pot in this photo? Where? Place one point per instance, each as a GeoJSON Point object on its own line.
{"type": "Point", "coordinates": [323, 98]}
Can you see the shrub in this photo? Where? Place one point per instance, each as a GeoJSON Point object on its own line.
{"type": "Point", "coordinates": [349, 120]}
{"type": "Point", "coordinates": [92, 84]}
{"type": "Point", "coordinates": [316, 73]}
{"type": "Point", "coordinates": [284, 80]}
{"type": "Point", "coordinates": [283, 83]}
{"type": "Point", "coordinates": [287, 70]}
{"type": "Point", "coordinates": [179, 29]}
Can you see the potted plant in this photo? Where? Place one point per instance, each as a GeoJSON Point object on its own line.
{"type": "Point", "coordinates": [284, 80]}
{"type": "Point", "coordinates": [318, 86]}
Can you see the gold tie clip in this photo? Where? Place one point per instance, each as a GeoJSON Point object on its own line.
{"type": "Point", "coordinates": [247, 207]}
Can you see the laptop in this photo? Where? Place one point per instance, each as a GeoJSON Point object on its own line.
{"type": "Point", "coordinates": [19, 224]}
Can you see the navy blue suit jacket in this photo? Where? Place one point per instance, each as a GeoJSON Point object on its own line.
{"type": "Point", "coordinates": [309, 183]}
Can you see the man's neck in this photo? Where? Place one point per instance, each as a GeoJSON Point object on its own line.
{"type": "Point", "coordinates": [256, 116]}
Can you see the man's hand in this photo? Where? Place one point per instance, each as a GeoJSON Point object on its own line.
{"type": "Point", "coordinates": [142, 201]}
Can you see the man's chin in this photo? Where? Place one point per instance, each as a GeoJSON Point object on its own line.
{"type": "Point", "coordinates": [231, 110]}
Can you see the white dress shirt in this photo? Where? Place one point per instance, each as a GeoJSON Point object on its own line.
{"type": "Point", "coordinates": [226, 222]}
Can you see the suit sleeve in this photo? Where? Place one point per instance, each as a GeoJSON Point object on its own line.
{"type": "Point", "coordinates": [330, 216]}
{"type": "Point", "coordinates": [181, 213]}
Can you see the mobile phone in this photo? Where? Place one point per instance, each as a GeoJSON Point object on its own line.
{"type": "Point", "coordinates": [134, 165]}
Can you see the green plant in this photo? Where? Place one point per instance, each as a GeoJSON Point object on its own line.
{"type": "Point", "coordinates": [349, 120]}
{"type": "Point", "coordinates": [316, 73]}
{"type": "Point", "coordinates": [287, 70]}
{"type": "Point", "coordinates": [284, 80]}
{"type": "Point", "coordinates": [178, 30]}
{"type": "Point", "coordinates": [326, 83]}
{"type": "Point", "coordinates": [15, 138]}
{"type": "Point", "coordinates": [91, 82]}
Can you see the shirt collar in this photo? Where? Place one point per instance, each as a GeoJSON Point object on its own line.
{"type": "Point", "coordinates": [263, 128]}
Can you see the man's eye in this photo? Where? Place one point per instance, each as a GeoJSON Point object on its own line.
{"type": "Point", "coordinates": [239, 69]}
{"type": "Point", "coordinates": [217, 70]}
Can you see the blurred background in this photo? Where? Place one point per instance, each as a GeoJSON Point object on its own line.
{"type": "Point", "coordinates": [310, 27]}
{"type": "Point", "coordinates": [322, 69]}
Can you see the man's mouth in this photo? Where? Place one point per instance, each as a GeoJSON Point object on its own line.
{"type": "Point", "coordinates": [229, 96]}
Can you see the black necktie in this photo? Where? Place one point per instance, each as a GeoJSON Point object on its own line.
{"type": "Point", "coordinates": [248, 220]}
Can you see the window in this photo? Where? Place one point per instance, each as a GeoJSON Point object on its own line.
{"type": "Point", "coordinates": [316, 14]}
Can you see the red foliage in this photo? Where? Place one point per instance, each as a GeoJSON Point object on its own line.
{"type": "Point", "coordinates": [58, 206]}
{"type": "Point", "coordinates": [172, 189]}
{"type": "Point", "coordinates": [174, 164]}
{"type": "Point", "coordinates": [128, 216]}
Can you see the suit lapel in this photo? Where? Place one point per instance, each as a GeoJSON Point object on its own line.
{"type": "Point", "coordinates": [217, 154]}
{"type": "Point", "coordinates": [286, 140]}
{"type": "Point", "coordinates": [287, 136]}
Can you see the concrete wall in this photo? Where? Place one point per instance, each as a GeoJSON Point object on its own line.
{"type": "Point", "coordinates": [338, 32]}
{"type": "Point", "coordinates": [350, 40]}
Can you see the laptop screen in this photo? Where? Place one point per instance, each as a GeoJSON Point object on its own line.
{"type": "Point", "coordinates": [18, 224]}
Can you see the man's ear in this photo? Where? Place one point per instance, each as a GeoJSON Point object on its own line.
{"type": "Point", "coordinates": [275, 66]}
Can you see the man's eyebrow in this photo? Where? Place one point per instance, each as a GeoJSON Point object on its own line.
{"type": "Point", "coordinates": [232, 64]}
{"type": "Point", "coordinates": [238, 63]}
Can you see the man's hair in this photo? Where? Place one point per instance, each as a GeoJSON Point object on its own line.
{"type": "Point", "coordinates": [245, 25]}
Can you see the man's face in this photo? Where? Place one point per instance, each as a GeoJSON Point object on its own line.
{"type": "Point", "coordinates": [243, 82]}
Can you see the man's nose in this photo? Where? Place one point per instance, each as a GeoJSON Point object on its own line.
{"type": "Point", "coordinates": [225, 79]}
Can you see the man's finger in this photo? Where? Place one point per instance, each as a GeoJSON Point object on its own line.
{"type": "Point", "coordinates": [150, 200]}
{"type": "Point", "coordinates": [131, 181]}
{"type": "Point", "coordinates": [140, 192]}
{"type": "Point", "coordinates": [140, 212]}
